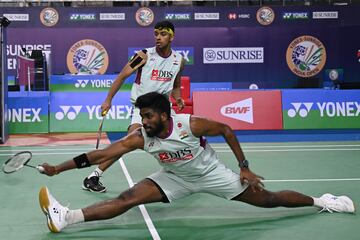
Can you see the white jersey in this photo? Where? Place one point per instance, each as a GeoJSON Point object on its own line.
{"type": "Point", "coordinates": [182, 153]}
{"type": "Point", "coordinates": [157, 75]}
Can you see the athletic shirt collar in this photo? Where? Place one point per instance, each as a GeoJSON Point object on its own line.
{"type": "Point", "coordinates": [170, 128]}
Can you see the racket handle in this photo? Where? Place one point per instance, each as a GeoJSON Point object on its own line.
{"type": "Point", "coordinates": [103, 113]}
{"type": "Point", "coordinates": [40, 169]}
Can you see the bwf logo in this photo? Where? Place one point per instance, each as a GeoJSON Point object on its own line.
{"type": "Point", "coordinates": [242, 110]}
{"type": "Point", "coordinates": [81, 83]}
{"type": "Point", "coordinates": [302, 109]}
{"type": "Point", "coordinates": [70, 112]}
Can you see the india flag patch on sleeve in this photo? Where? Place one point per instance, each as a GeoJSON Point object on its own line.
{"type": "Point", "coordinates": [183, 134]}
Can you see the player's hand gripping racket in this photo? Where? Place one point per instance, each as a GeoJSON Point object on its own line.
{"type": "Point", "coordinates": [18, 161]}
{"type": "Point", "coordinates": [103, 114]}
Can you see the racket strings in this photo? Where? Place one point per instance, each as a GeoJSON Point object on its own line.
{"type": "Point", "coordinates": [16, 162]}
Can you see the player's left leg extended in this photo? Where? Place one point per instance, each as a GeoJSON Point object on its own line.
{"type": "Point", "coordinates": [267, 199]}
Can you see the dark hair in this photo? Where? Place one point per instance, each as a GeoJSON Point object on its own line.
{"type": "Point", "coordinates": [165, 24]}
{"type": "Point", "coordinates": [156, 101]}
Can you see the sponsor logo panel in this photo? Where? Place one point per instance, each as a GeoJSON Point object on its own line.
{"type": "Point", "coordinates": [17, 17]}
{"type": "Point", "coordinates": [321, 109]}
{"type": "Point", "coordinates": [207, 16]}
{"type": "Point", "coordinates": [233, 55]}
{"type": "Point", "coordinates": [81, 111]}
{"type": "Point", "coordinates": [82, 17]}
{"type": "Point", "coordinates": [234, 16]}
{"type": "Point", "coordinates": [325, 15]}
{"type": "Point", "coordinates": [28, 115]}
{"type": "Point", "coordinates": [306, 56]}
{"type": "Point", "coordinates": [241, 110]}
{"type": "Point", "coordinates": [87, 83]}
{"type": "Point", "coordinates": [178, 16]}
{"type": "Point", "coordinates": [112, 16]}
{"type": "Point", "coordinates": [295, 15]}
{"type": "Point", "coordinates": [14, 50]}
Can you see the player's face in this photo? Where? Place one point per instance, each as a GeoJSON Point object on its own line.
{"type": "Point", "coordinates": [151, 122]}
{"type": "Point", "coordinates": [162, 38]}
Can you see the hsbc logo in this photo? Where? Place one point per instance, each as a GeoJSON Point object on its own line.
{"type": "Point", "coordinates": [81, 83]}
{"type": "Point", "coordinates": [242, 110]}
{"type": "Point", "coordinates": [70, 112]}
{"type": "Point", "coordinates": [234, 16]}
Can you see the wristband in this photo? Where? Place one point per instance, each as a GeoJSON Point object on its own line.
{"type": "Point", "coordinates": [82, 161]}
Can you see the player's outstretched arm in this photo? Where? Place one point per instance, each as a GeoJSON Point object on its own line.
{"type": "Point", "coordinates": [176, 92]}
{"type": "Point", "coordinates": [137, 61]}
{"type": "Point", "coordinates": [115, 150]}
{"type": "Point", "coordinates": [206, 127]}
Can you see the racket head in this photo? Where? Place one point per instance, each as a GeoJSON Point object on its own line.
{"type": "Point", "coordinates": [16, 162]}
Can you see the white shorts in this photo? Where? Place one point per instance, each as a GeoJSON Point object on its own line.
{"type": "Point", "coordinates": [221, 182]}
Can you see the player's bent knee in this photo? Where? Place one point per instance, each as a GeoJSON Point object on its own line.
{"type": "Point", "coordinates": [128, 198]}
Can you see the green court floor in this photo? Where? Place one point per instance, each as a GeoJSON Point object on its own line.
{"type": "Point", "coordinates": [312, 168]}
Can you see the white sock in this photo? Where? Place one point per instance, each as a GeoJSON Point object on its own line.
{"type": "Point", "coordinates": [97, 172]}
{"type": "Point", "coordinates": [318, 202]}
{"type": "Point", "coordinates": [74, 216]}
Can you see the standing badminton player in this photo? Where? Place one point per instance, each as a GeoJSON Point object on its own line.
{"type": "Point", "coordinates": [158, 69]}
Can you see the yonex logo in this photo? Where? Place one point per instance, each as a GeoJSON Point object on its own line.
{"type": "Point", "coordinates": [24, 115]}
{"type": "Point", "coordinates": [93, 112]}
{"type": "Point", "coordinates": [302, 109]}
{"type": "Point", "coordinates": [326, 109]}
{"type": "Point", "coordinates": [70, 112]}
{"type": "Point", "coordinates": [81, 83]}
{"type": "Point", "coordinates": [242, 110]}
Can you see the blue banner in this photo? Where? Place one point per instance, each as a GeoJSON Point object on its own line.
{"type": "Point", "coordinates": [313, 109]}
{"type": "Point", "coordinates": [28, 113]}
{"type": "Point", "coordinates": [81, 112]}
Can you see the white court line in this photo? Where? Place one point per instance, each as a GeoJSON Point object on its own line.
{"type": "Point", "coordinates": [291, 146]}
{"type": "Point", "coordinates": [149, 223]}
{"type": "Point", "coordinates": [218, 151]}
{"type": "Point", "coordinates": [293, 150]}
{"type": "Point", "coordinates": [313, 180]}
{"type": "Point", "coordinates": [46, 149]}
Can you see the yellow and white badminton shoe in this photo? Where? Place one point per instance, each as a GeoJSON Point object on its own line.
{"type": "Point", "coordinates": [55, 213]}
